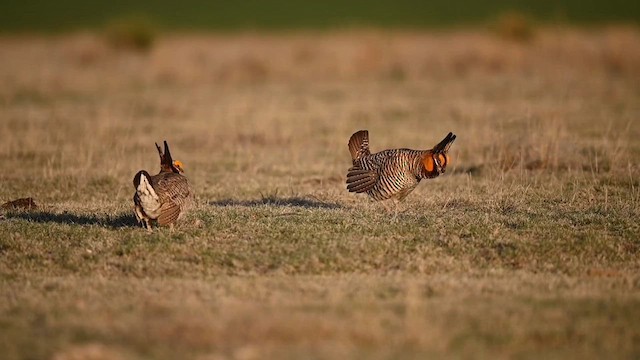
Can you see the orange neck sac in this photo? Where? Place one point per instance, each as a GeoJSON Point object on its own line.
{"type": "Point", "coordinates": [428, 163]}
{"type": "Point", "coordinates": [434, 164]}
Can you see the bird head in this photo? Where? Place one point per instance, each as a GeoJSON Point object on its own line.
{"type": "Point", "coordinates": [435, 161]}
{"type": "Point", "coordinates": [435, 164]}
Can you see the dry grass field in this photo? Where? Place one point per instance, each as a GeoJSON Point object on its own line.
{"type": "Point", "coordinates": [528, 246]}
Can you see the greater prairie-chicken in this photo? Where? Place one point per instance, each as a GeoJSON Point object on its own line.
{"type": "Point", "coordinates": [164, 197]}
{"type": "Point", "coordinates": [393, 173]}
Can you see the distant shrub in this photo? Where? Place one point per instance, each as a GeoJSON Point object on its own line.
{"type": "Point", "coordinates": [131, 32]}
{"type": "Point", "coordinates": [513, 25]}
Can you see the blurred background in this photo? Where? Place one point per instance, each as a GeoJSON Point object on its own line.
{"type": "Point", "coordinates": [535, 221]}
{"type": "Point", "coordinates": [43, 15]}
{"type": "Point", "coordinates": [327, 67]}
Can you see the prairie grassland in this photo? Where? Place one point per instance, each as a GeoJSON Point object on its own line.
{"type": "Point", "coordinates": [528, 246]}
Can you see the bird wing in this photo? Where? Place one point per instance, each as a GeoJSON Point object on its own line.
{"type": "Point", "coordinates": [360, 180]}
{"type": "Point", "coordinates": [175, 195]}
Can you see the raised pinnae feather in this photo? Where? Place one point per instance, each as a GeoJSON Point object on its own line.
{"type": "Point", "coordinates": [167, 153]}
{"type": "Point", "coordinates": [359, 144]}
{"type": "Point", "coordinates": [443, 146]}
{"type": "Point", "coordinates": [165, 161]}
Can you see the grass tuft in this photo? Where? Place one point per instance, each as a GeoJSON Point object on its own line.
{"type": "Point", "coordinates": [132, 32]}
{"type": "Point", "coordinates": [514, 26]}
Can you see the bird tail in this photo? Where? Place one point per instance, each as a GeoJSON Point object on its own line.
{"type": "Point", "coordinates": [359, 144]}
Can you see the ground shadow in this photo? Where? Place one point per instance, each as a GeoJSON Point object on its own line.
{"type": "Point", "coordinates": [276, 201]}
{"type": "Point", "coordinates": [114, 222]}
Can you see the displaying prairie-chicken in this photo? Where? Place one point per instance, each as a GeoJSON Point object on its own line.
{"type": "Point", "coordinates": [393, 173]}
{"type": "Point", "coordinates": [164, 197]}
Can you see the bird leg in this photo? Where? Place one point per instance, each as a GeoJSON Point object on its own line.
{"type": "Point", "coordinates": [395, 209]}
{"type": "Point", "coordinates": [390, 210]}
{"type": "Point", "coordinates": [147, 225]}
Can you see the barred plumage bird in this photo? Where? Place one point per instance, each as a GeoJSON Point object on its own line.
{"type": "Point", "coordinates": [164, 197]}
{"type": "Point", "coordinates": [393, 173]}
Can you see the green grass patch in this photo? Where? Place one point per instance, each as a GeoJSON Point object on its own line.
{"type": "Point", "coordinates": [286, 14]}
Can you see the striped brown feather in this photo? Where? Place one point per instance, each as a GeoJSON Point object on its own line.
{"type": "Point", "coordinates": [393, 173]}
{"type": "Point", "coordinates": [172, 187]}
{"type": "Point", "coordinates": [169, 213]}
{"type": "Point", "coordinates": [175, 195]}
{"type": "Point", "coordinates": [359, 180]}
{"type": "Point", "coordinates": [359, 144]}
